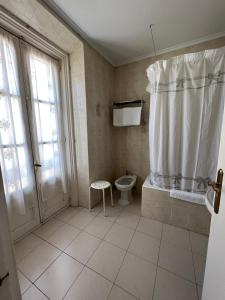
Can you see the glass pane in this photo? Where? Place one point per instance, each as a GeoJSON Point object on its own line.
{"type": "Point", "coordinates": [18, 120]}
{"type": "Point", "coordinates": [11, 68]}
{"type": "Point", "coordinates": [49, 154]}
{"type": "Point", "coordinates": [41, 75]}
{"type": "Point", "coordinates": [5, 122]}
{"type": "Point", "coordinates": [14, 156]}
{"type": "Point", "coordinates": [45, 122]}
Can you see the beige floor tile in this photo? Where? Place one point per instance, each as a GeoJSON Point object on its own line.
{"type": "Point", "coordinates": [89, 286]}
{"type": "Point", "coordinates": [176, 236]}
{"type": "Point", "coordinates": [199, 265]}
{"type": "Point", "coordinates": [63, 236]}
{"type": "Point", "coordinates": [119, 235]}
{"type": "Point", "coordinates": [24, 282]}
{"type": "Point", "coordinates": [98, 227]}
{"type": "Point", "coordinates": [81, 219]}
{"type": "Point", "coordinates": [199, 243]}
{"type": "Point", "coordinates": [25, 246]}
{"type": "Point", "coordinates": [137, 276]}
{"type": "Point", "coordinates": [33, 294]}
{"type": "Point", "coordinates": [67, 214]}
{"type": "Point", "coordinates": [118, 294]}
{"type": "Point", "coordinates": [145, 246]}
{"type": "Point", "coordinates": [58, 278]}
{"type": "Point", "coordinates": [47, 229]}
{"type": "Point", "coordinates": [171, 287]}
{"type": "Point", "coordinates": [38, 260]}
{"type": "Point", "coordinates": [83, 247]}
{"type": "Point", "coordinates": [94, 211]}
{"type": "Point", "coordinates": [129, 220]}
{"type": "Point", "coordinates": [134, 208]}
{"type": "Point", "coordinates": [150, 227]}
{"type": "Point", "coordinates": [176, 260]}
{"type": "Point", "coordinates": [107, 260]}
{"type": "Point", "coordinates": [112, 213]}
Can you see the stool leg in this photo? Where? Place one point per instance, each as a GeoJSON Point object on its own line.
{"type": "Point", "coordinates": [111, 195]}
{"type": "Point", "coordinates": [89, 198]}
{"type": "Point", "coordinates": [103, 193]}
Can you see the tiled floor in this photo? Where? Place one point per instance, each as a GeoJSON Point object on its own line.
{"type": "Point", "coordinates": [83, 256]}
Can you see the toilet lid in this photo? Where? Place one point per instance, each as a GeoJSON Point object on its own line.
{"type": "Point", "coordinates": [125, 181]}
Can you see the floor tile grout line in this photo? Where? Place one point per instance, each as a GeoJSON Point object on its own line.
{"type": "Point", "coordinates": [157, 265]}
{"type": "Point", "coordinates": [76, 278]}
{"type": "Point", "coordinates": [41, 291]}
{"type": "Point", "coordinates": [83, 230]}
{"type": "Point", "coordinates": [43, 239]}
{"type": "Point", "coordinates": [177, 275]}
{"type": "Point", "coordinates": [124, 257]}
{"type": "Point", "coordinates": [103, 239]}
{"type": "Point", "coordinates": [192, 255]}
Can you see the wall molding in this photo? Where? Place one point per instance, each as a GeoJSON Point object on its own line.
{"type": "Point", "coordinates": [174, 48]}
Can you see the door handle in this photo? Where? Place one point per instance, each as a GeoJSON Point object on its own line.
{"type": "Point", "coordinates": [37, 165]}
{"type": "Point", "coordinates": [3, 278]}
{"type": "Point", "coordinates": [217, 187]}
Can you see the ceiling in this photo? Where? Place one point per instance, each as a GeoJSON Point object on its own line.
{"type": "Point", "coordinates": [119, 29]}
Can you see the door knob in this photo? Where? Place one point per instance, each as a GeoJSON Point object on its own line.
{"type": "Point", "coordinates": [217, 187]}
{"type": "Point", "coordinates": [3, 278]}
{"type": "Point", "coordinates": [37, 165]}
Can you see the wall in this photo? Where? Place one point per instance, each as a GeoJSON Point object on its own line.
{"type": "Point", "coordinates": [99, 79]}
{"type": "Point", "coordinates": [132, 143]}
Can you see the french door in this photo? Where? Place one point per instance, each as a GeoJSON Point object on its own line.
{"type": "Point", "coordinates": [31, 134]}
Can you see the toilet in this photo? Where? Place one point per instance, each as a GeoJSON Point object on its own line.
{"type": "Point", "coordinates": [124, 184]}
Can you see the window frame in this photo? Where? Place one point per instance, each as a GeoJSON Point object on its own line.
{"type": "Point", "coordinates": [24, 32]}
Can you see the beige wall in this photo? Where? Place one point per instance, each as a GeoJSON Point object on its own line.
{"type": "Point", "coordinates": [99, 79]}
{"type": "Point", "coordinates": [132, 150]}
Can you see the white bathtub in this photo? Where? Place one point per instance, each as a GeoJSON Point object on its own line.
{"type": "Point", "coordinates": [199, 199]}
{"type": "Point", "coordinates": [157, 204]}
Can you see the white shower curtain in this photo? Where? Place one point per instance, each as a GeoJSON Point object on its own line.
{"type": "Point", "coordinates": [187, 101]}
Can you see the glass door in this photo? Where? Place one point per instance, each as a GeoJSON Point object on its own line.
{"type": "Point", "coordinates": [16, 159]}
{"type": "Point", "coordinates": [45, 107]}
{"type": "Point", "coordinates": [31, 134]}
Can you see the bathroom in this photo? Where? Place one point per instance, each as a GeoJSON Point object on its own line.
{"type": "Point", "coordinates": [155, 247]}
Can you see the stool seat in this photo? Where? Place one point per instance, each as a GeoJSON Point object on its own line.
{"type": "Point", "coordinates": [100, 184]}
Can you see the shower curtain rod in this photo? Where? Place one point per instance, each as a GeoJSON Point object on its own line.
{"type": "Point", "coordinates": [153, 41]}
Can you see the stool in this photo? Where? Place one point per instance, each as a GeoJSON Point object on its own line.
{"type": "Point", "coordinates": [100, 185]}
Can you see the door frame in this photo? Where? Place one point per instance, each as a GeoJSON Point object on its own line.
{"type": "Point", "coordinates": [23, 31]}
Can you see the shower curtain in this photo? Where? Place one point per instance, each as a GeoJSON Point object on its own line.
{"type": "Point", "coordinates": [187, 99]}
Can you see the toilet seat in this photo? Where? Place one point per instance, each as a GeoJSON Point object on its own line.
{"type": "Point", "coordinates": [125, 184]}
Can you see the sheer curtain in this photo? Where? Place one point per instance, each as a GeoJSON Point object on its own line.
{"type": "Point", "coordinates": [47, 121]}
{"type": "Point", "coordinates": [187, 101]}
{"type": "Point", "coordinates": [14, 156]}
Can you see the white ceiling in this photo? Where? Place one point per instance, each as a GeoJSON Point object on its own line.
{"type": "Point", "coordinates": [119, 29]}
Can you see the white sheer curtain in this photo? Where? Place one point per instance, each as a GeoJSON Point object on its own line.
{"type": "Point", "coordinates": [187, 101]}
{"type": "Point", "coordinates": [14, 157]}
{"type": "Point", "coordinates": [47, 121]}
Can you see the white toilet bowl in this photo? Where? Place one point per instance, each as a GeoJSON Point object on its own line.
{"type": "Point", "coordinates": [125, 184]}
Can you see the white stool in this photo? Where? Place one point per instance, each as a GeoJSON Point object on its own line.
{"type": "Point", "coordinates": [101, 185]}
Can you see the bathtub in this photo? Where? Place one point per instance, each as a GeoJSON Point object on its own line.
{"type": "Point", "coordinates": [158, 205]}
